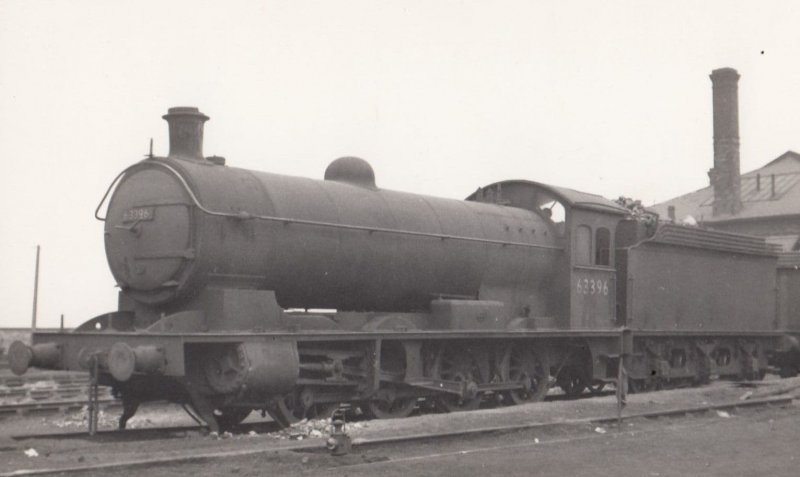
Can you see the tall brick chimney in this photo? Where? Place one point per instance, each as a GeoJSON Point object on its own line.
{"type": "Point", "coordinates": [725, 177]}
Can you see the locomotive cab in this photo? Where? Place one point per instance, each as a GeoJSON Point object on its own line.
{"type": "Point", "coordinates": [582, 295]}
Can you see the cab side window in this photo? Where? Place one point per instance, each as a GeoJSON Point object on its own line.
{"type": "Point", "coordinates": [602, 247]}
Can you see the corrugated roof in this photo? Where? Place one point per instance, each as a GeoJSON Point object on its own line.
{"type": "Point", "coordinates": [714, 240]}
{"type": "Point", "coordinates": [759, 198]}
{"type": "Point", "coordinates": [786, 242]}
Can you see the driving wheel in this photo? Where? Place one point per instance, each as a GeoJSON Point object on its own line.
{"type": "Point", "coordinates": [522, 365]}
{"type": "Point", "coordinates": [289, 410]}
{"type": "Point", "coordinates": [456, 365]}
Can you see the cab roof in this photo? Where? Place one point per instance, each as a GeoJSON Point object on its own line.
{"type": "Point", "coordinates": [540, 192]}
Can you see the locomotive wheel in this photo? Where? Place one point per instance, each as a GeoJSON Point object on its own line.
{"type": "Point", "coordinates": [523, 366]}
{"type": "Point", "coordinates": [289, 410]}
{"type": "Point", "coordinates": [456, 365]}
{"type": "Point", "coordinates": [230, 417]}
{"type": "Point", "coordinates": [225, 369]}
{"type": "Point", "coordinates": [597, 387]}
{"type": "Point", "coordinates": [389, 406]}
{"type": "Point", "coordinates": [644, 385]}
{"type": "Point", "coordinates": [572, 382]}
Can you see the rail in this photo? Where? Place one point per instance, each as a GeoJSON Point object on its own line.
{"type": "Point", "coordinates": [316, 445]}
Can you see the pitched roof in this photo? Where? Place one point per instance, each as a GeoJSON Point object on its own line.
{"type": "Point", "coordinates": [758, 198]}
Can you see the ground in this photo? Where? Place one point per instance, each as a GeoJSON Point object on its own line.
{"type": "Point", "coordinates": [745, 442]}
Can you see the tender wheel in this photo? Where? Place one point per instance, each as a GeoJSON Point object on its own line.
{"type": "Point", "coordinates": [523, 366]}
{"type": "Point", "coordinates": [597, 387]}
{"type": "Point", "coordinates": [644, 385]}
{"type": "Point", "coordinates": [387, 405]}
{"type": "Point", "coordinates": [788, 371]}
{"type": "Point", "coordinates": [289, 410]}
{"type": "Point", "coordinates": [456, 365]}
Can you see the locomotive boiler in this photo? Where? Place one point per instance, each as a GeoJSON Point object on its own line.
{"type": "Point", "coordinates": [179, 225]}
{"type": "Point", "coordinates": [243, 290]}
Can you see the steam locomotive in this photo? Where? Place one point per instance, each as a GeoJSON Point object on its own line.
{"type": "Point", "coordinates": [243, 290]}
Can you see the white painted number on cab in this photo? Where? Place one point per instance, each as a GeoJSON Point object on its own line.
{"type": "Point", "coordinates": [590, 286]}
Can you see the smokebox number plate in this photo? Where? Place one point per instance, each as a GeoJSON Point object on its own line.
{"type": "Point", "coordinates": [138, 214]}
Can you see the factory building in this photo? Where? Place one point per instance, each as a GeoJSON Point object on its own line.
{"type": "Point", "coordinates": [764, 202]}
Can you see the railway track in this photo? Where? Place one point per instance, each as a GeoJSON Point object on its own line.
{"type": "Point", "coordinates": [143, 433]}
{"type": "Point", "coordinates": [9, 380]}
{"type": "Point", "coordinates": [45, 392]}
{"type": "Point", "coordinates": [25, 408]}
{"type": "Point", "coordinates": [317, 446]}
{"type": "Point", "coordinates": [108, 402]}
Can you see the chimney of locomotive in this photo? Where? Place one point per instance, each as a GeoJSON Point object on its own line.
{"type": "Point", "coordinates": [185, 132]}
{"type": "Point", "coordinates": [725, 176]}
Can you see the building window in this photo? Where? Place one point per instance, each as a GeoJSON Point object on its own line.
{"type": "Point", "coordinates": [602, 247]}
{"type": "Point", "coordinates": [583, 245]}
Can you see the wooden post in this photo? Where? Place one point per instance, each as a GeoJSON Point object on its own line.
{"type": "Point", "coordinates": [93, 408]}
{"type": "Point", "coordinates": [625, 350]}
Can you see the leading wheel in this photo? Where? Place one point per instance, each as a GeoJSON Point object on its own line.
{"type": "Point", "coordinates": [225, 369]}
{"type": "Point", "coordinates": [230, 417]}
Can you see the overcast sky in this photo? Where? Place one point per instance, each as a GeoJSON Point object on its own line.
{"type": "Point", "coordinates": [439, 96]}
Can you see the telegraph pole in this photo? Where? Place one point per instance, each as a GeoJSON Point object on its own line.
{"type": "Point", "coordinates": [35, 290]}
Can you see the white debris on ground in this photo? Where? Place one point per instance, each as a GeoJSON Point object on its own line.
{"type": "Point", "coordinates": [31, 452]}
{"type": "Point", "coordinates": [313, 428]}
{"type": "Point", "coordinates": [600, 430]}
{"type": "Point", "coordinates": [80, 419]}
{"type": "Point", "coordinates": [723, 414]}
{"type": "Point", "coordinates": [746, 396]}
